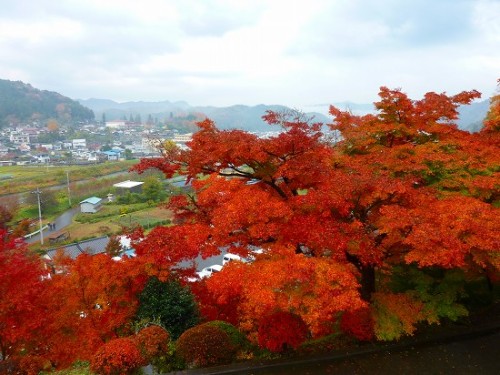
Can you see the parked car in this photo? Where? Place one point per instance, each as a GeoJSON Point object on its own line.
{"type": "Point", "coordinates": [248, 259]}
{"type": "Point", "coordinates": [229, 257]}
{"type": "Point", "coordinates": [208, 271]}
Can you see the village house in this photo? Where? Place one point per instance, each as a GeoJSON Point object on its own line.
{"type": "Point", "coordinates": [128, 187]}
{"type": "Point", "coordinates": [91, 205]}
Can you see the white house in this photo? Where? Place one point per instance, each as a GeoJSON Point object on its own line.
{"type": "Point", "coordinates": [128, 186]}
{"type": "Point", "coordinates": [116, 124]}
{"type": "Point", "coordinates": [111, 155]}
{"type": "Point", "coordinates": [19, 137]}
{"type": "Point", "coordinates": [183, 138]}
{"type": "Point", "coordinates": [79, 144]}
{"type": "Point", "coordinates": [91, 205]}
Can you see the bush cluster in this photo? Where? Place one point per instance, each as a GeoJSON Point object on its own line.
{"type": "Point", "coordinates": [238, 339]}
{"type": "Point", "coordinates": [205, 345]}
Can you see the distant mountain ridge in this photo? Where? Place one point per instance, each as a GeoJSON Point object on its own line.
{"type": "Point", "coordinates": [250, 117]}
{"type": "Point", "coordinates": [233, 117]}
{"type": "Point", "coordinates": [22, 103]}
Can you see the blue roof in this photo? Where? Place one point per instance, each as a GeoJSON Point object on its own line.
{"type": "Point", "coordinates": [92, 200]}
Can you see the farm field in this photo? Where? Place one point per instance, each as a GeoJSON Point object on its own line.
{"type": "Point", "coordinates": [146, 218]}
{"type": "Point", "coordinates": [17, 179]}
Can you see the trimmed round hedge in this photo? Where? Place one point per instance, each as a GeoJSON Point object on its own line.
{"type": "Point", "coordinates": [238, 339]}
{"type": "Point", "coordinates": [205, 345]}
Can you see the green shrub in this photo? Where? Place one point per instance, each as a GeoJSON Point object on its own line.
{"type": "Point", "coordinates": [169, 303]}
{"type": "Point", "coordinates": [131, 198]}
{"type": "Point", "coordinates": [238, 339]}
{"type": "Point", "coordinates": [168, 361]}
{"type": "Point", "coordinates": [205, 345]}
{"type": "Point", "coordinates": [78, 368]}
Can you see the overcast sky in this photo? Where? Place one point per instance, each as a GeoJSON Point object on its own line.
{"type": "Point", "coordinates": [224, 52]}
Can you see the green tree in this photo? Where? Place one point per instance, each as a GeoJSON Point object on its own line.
{"type": "Point", "coordinates": [170, 303]}
{"type": "Point", "coordinates": [128, 154]}
{"type": "Point", "coordinates": [153, 189]}
{"type": "Point", "coordinates": [106, 147]}
{"type": "Point", "coordinates": [48, 199]}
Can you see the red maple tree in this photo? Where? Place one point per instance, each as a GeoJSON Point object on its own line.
{"type": "Point", "coordinates": [91, 302]}
{"type": "Point", "coordinates": [403, 186]}
{"type": "Point", "coordinates": [21, 284]}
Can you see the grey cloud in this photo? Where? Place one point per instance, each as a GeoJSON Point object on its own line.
{"type": "Point", "coordinates": [372, 28]}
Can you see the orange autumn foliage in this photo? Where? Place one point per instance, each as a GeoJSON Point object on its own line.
{"type": "Point", "coordinates": [281, 331]}
{"type": "Point", "coordinates": [401, 186]}
{"type": "Point", "coordinates": [152, 341]}
{"type": "Point", "coordinates": [116, 357]}
{"type": "Point", "coordinates": [22, 314]}
{"type": "Point", "coordinates": [90, 303]}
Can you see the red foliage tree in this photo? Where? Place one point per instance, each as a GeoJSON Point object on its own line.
{"type": "Point", "coordinates": [281, 331]}
{"type": "Point", "coordinates": [22, 315]}
{"type": "Point", "coordinates": [358, 323]}
{"type": "Point", "coordinates": [492, 121]}
{"type": "Point", "coordinates": [116, 357]}
{"type": "Point", "coordinates": [152, 342]}
{"type": "Point", "coordinates": [92, 302]}
{"type": "Point", "coordinates": [33, 365]}
{"type": "Point", "coordinates": [402, 186]}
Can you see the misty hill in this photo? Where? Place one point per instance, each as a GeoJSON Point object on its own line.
{"type": "Point", "coordinates": [22, 103]}
{"type": "Point", "coordinates": [233, 117]}
{"type": "Point", "coordinates": [470, 116]}
{"type": "Point", "coordinates": [249, 117]}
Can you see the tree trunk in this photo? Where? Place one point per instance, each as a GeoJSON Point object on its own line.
{"type": "Point", "coordinates": [367, 277]}
{"type": "Point", "coordinates": [367, 282]}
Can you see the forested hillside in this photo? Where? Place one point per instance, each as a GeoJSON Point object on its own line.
{"type": "Point", "coordinates": [21, 102]}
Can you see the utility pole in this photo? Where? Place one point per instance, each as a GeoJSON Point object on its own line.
{"type": "Point", "coordinates": [69, 192]}
{"type": "Point", "coordinates": [38, 192]}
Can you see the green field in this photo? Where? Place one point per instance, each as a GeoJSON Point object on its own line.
{"type": "Point", "coordinates": [17, 179]}
{"type": "Point", "coordinates": [102, 225]}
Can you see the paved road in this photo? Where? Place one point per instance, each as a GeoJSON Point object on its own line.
{"type": "Point", "coordinates": [60, 223]}
{"type": "Point", "coordinates": [477, 355]}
